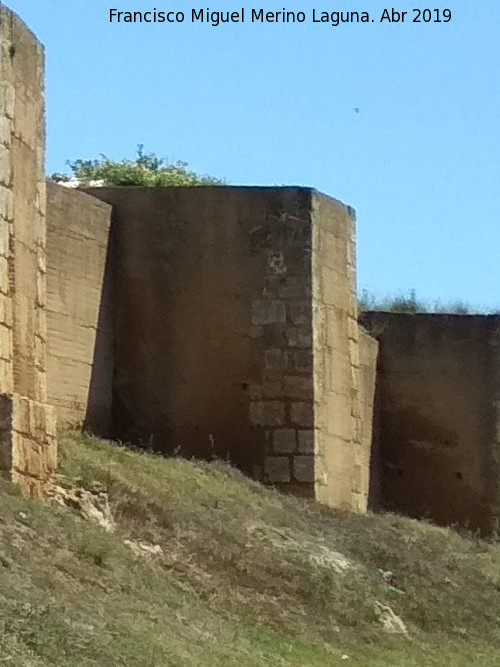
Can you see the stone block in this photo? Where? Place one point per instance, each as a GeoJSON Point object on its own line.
{"type": "Point", "coordinates": [27, 456]}
{"type": "Point", "coordinates": [267, 413]}
{"type": "Point", "coordinates": [299, 337]}
{"type": "Point", "coordinates": [5, 131]}
{"type": "Point", "coordinates": [266, 390]}
{"type": "Point", "coordinates": [5, 413]}
{"type": "Point", "coordinates": [294, 288]}
{"type": "Point", "coordinates": [50, 422]}
{"type": "Point", "coordinates": [4, 273]}
{"type": "Point", "coordinates": [22, 415]}
{"type": "Point", "coordinates": [303, 469]}
{"type": "Point", "coordinates": [306, 441]}
{"type": "Point", "coordinates": [297, 386]}
{"type": "Point", "coordinates": [6, 209]}
{"type": "Point", "coordinates": [300, 361]}
{"type": "Point", "coordinates": [302, 413]}
{"type": "Point", "coordinates": [300, 312]}
{"type": "Point", "coordinates": [6, 317]}
{"type": "Point", "coordinates": [275, 360]}
{"type": "Point", "coordinates": [5, 167]}
{"type": "Point", "coordinates": [268, 311]}
{"type": "Point", "coordinates": [284, 441]}
{"type": "Point", "coordinates": [277, 469]}
{"type": "Point", "coordinates": [51, 451]}
{"type": "Point", "coordinates": [7, 99]}
{"type": "Point", "coordinates": [6, 377]}
{"type": "Point", "coordinates": [6, 342]}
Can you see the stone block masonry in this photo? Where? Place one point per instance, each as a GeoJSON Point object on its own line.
{"type": "Point", "coordinates": [27, 423]}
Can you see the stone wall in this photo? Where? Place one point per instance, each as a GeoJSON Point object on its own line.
{"type": "Point", "coordinates": [367, 460]}
{"type": "Point", "coordinates": [27, 423]}
{"type": "Point", "coordinates": [439, 422]}
{"type": "Point", "coordinates": [200, 328]}
{"type": "Point", "coordinates": [340, 457]}
{"type": "Point", "coordinates": [79, 309]}
{"type": "Point", "coordinates": [220, 348]}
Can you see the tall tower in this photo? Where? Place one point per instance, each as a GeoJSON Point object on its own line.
{"type": "Point", "coordinates": [28, 448]}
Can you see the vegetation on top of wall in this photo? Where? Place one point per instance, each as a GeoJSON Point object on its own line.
{"type": "Point", "coordinates": [146, 170]}
{"type": "Point", "coordinates": [409, 303]}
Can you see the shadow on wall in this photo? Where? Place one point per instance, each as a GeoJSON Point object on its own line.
{"type": "Point", "coordinates": [98, 417]}
{"type": "Point", "coordinates": [375, 497]}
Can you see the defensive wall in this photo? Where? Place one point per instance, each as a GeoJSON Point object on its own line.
{"type": "Point", "coordinates": [27, 422]}
{"type": "Point", "coordinates": [222, 321]}
{"type": "Point", "coordinates": [234, 328]}
{"type": "Point", "coordinates": [437, 449]}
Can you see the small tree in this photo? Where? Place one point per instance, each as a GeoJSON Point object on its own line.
{"type": "Point", "coordinates": [146, 170]}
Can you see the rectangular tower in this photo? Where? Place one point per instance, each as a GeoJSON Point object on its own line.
{"type": "Point", "coordinates": [27, 423]}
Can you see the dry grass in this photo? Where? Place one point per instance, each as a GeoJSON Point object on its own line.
{"type": "Point", "coordinates": [245, 576]}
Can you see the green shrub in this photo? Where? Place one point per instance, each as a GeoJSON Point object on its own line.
{"type": "Point", "coordinates": [146, 170]}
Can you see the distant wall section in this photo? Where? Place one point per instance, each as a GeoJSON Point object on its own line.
{"type": "Point", "coordinates": [439, 391]}
{"type": "Point", "coordinates": [79, 308]}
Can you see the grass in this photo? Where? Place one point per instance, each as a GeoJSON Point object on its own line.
{"type": "Point", "coordinates": [245, 576]}
{"type": "Point", "coordinates": [410, 303]}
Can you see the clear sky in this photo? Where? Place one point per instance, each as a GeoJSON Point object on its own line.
{"type": "Point", "coordinates": [274, 104]}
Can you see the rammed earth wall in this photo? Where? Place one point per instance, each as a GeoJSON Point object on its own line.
{"type": "Point", "coordinates": [79, 309]}
{"type": "Point", "coordinates": [235, 333]}
{"type": "Point", "coordinates": [222, 321]}
{"type": "Point", "coordinates": [438, 386]}
{"type": "Point", "coordinates": [27, 423]}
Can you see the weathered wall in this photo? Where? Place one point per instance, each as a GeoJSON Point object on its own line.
{"type": "Point", "coordinates": [340, 458]}
{"type": "Point", "coordinates": [27, 424]}
{"type": "Point", "coordinates": [201, 347]}
{"type": "Point", "coordinates": [79, 313]}
{"type": "Point", "coordinates": [368, 356]}
{"type": "Point", "coordinates": [438, 387]}
{"type": "Point", "coordinates": [214, 330]}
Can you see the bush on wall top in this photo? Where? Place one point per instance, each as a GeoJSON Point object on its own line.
{"type": "Point", "coordinates": [147, 170]}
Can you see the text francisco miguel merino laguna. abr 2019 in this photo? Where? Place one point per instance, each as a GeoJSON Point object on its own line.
{"type": "Point", "coordinates": [216, 18]}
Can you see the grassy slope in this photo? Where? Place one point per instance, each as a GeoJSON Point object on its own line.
{"type": "Point", "coordinates": [246, 577]}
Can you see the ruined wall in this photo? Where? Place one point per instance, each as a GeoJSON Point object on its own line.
{"type": "Point", "coordinates": [79, 309]}
{"type": "Point", "coordinates": [339, 454]}
{"type": "Point", "coordinates": [214, 327]}
{"type": "Point", "coordinates": [438, 387]}
{"type": "Point", "coordinates": [27, 424]}
{"type": "Point", "coordinates": [201, 330]}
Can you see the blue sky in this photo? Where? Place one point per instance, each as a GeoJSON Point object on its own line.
{"type": "Point", "coordinates": [274, 105]}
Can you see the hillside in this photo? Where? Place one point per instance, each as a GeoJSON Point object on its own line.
{"type": "Point", "coordinates": [204, 567]}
